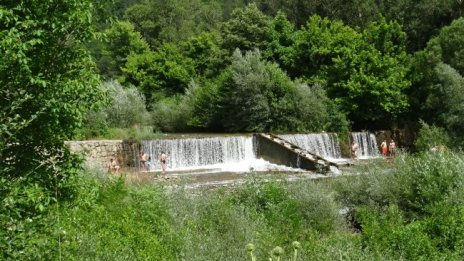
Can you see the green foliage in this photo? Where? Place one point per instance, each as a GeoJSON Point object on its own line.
{"type": "Point", "coordinates": [258, 96]}
{"type": "Point", "coordinates": [365, 74]}
{"type": "Point", "coordinates": [325, 115]}
{"type": "Point", "coordinates": [317, 44]}
{"type": "Point", "coordinates": [386, 231]}
{"type": "Point", "coordinates": [121, 40]}
{"type": "Point", "coordinates": [249, 93]}
{"type": "Point", "coordinates": [172, 114]}
{"type": "Point", "coordinates": [162, 73]}
{"type": "Point", "coordinates": [205, 53]}
{"type": "Point", "coordinates": [126, 107]}
{"type": "Point", "coordinates": [285, 207]}
{"type": "Point", "coordinates": [172, 21]}
{"type": "Point", "coordinates": [205, 105]}
{"type": "Point", "coordinates": [245, 30]}
{"type": "Point", "coordinates": [125, 224]}
{"type": "Point", "coordinates": [406, 211]}
{"type": "Point", "coordinates": [370, 80]}
{"type": "Point", "coordinates": [450, 92]}
{"type": "Point", "coordinates": [255, 95]}
{"type": "Point", "coordinates": [438, 80]}
{"type": "Point", "coordinates": [278, 47]}
{"type": "Point", "coordinates": [48, 81]}
{"type": "Point", "coordinates": [431, 137]}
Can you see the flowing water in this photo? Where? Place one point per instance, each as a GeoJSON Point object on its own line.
{"type": "Point", "coordinates": [367, 144]}
{"type": "Point", "coordinates": [201, 152]}
{"type": "Point", "coordinates": [228, 159]}
{"type": "Point", "coordinates": [322, 144]}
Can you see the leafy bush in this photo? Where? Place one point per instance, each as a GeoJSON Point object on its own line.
{"type": "Point", "coordinates": [124, 224]}
{"type": "Point", "coordinates": [291, 208]}
{"type": "Point", "coordinates": [126, 107]}
{"type": "Point", "coordinates": [412, 211]}
{"type": "Point", "coordinates": [431, 137]}
{"type": "Point", "coordinates": [171, 114]}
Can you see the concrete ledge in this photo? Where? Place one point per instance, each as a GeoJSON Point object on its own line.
{"type": "Point", "coordinates": [279, 151]}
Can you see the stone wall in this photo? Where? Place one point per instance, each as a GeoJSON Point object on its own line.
{"type": "Point", "coordinates": [97, 153]}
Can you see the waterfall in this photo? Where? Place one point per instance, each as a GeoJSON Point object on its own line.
{"type": "Point", "coordinates": [322, 144]}
{"type": "Point", "coordinates": [367, 144]}
{"type": "Point", "coordinates": [194, 152]}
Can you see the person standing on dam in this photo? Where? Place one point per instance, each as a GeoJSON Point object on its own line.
{"type": "Point", "coordinates": [354, 149]}
{"type": "Point", "coordinates": [163, 158]}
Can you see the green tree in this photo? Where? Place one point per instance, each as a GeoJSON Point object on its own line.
{"type": "Point", "coordinates": [370, 82]}
{"type": "Point", "coordinates": [165, 72]}
{"type": "Point", "coordinates": [161, 21]}
{"type": "Point", "coordinates": [364, 73]}
{"type": "Point", "coordinates": [126, 107]}
{"type": "Point", "coordinates": [256, 95]}
{"type": "Point", "coordinates": [436, 95]}
{"type": "Point", "coordinates": [121, 40]}
{"type": "Point", "coordinates": [246, 30]}
{"type": "Point", "coordinates": [205, 53]}
{"type": "Point", "coordinates": [316, 46]}
{"type": "Point", "coordinates": [48, 80]}
{"type": "Point", "coordinates": [278, 48]}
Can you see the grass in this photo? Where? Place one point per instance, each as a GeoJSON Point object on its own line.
{"type": "Point", "coordinates": [408, 209]}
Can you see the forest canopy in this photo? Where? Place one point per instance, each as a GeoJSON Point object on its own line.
{"type": "Point", "coordinates": [374, 66]}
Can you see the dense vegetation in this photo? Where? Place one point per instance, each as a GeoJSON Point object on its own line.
{"type": "Point", "coordinates": [325, 65]}
{"type": "Point", "coordinates": [414, 211]}
{"type": "Point", "coordinates": [229, 66]}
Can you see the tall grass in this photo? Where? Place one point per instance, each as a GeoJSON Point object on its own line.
{"type": "Point", "coordinates": [408, 209]}
{"type": "Point", "coordinates": [152, 222]}
{"type": "Point", "coordinates": [414, 210]}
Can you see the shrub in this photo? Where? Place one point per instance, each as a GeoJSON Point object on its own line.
{"type": "Point", "coordinates": [127, 106]}
{"type": "Point", "coordinates": [412, 211]}
{"type": "Point", "coordinates": [431, 137]}
{"type": "Point", "coordinates": [171, 114]}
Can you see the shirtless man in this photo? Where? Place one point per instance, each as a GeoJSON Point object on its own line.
{"type": "Point", "coordinates": [392, 148]}
{"type": "Point", "coordinates": [163, 158]}
{"type": "Point", "coordinates": [113, 166]}
{"type": "Point", "coordinates": [143, 160]}
{"type": "Point", "coordinates": [354, 149]}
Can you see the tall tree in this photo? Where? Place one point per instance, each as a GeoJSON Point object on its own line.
{"type": "Point", "coordinates": [436, 95]}
{"type": "Point", "coordinates": [120, 41]}
{"type": "Point", "coordinates": [158, 74]}
{"type": "Point", "coordinates": [246, 30]}
{"type": "Point", "coordinates": [365, 73]}
{"type": "Point", "coordinates": [161, 21]}
{"type": "Point", "coordinates": [281, 33]}
{"type": "Point", "coordinates": [47, 81]}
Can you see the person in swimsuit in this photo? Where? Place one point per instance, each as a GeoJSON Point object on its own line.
{"type": "Point", "coordinates": [392, 148]}
{"type": "Point", "coordinates": [383, 146]}
{"type": "Point", "coordinates": [163, 158]}
{"type": "Point", "coordinates": [113, 166]}
{"type": "Point", "coordinates": [143, 160]}
{"type": "Point", "coordinates": [354, 149]}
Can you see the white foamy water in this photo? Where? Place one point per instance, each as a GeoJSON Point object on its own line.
{"type": "Point", "coordinates": [323, 144]}
{"type": "Point", "coordinates": [367, 144]}
{"type": "Point", "coordinates": [197, 152]}
{"type": "Point", "coordinates": [227, 154]}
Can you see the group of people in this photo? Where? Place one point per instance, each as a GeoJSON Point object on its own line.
{"type": "Point", "coordinates": [386, 150]}
{"type": "Point", "coordinates": [389, 150]}
{"type": "Point", "coordinates": [145, 163]}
